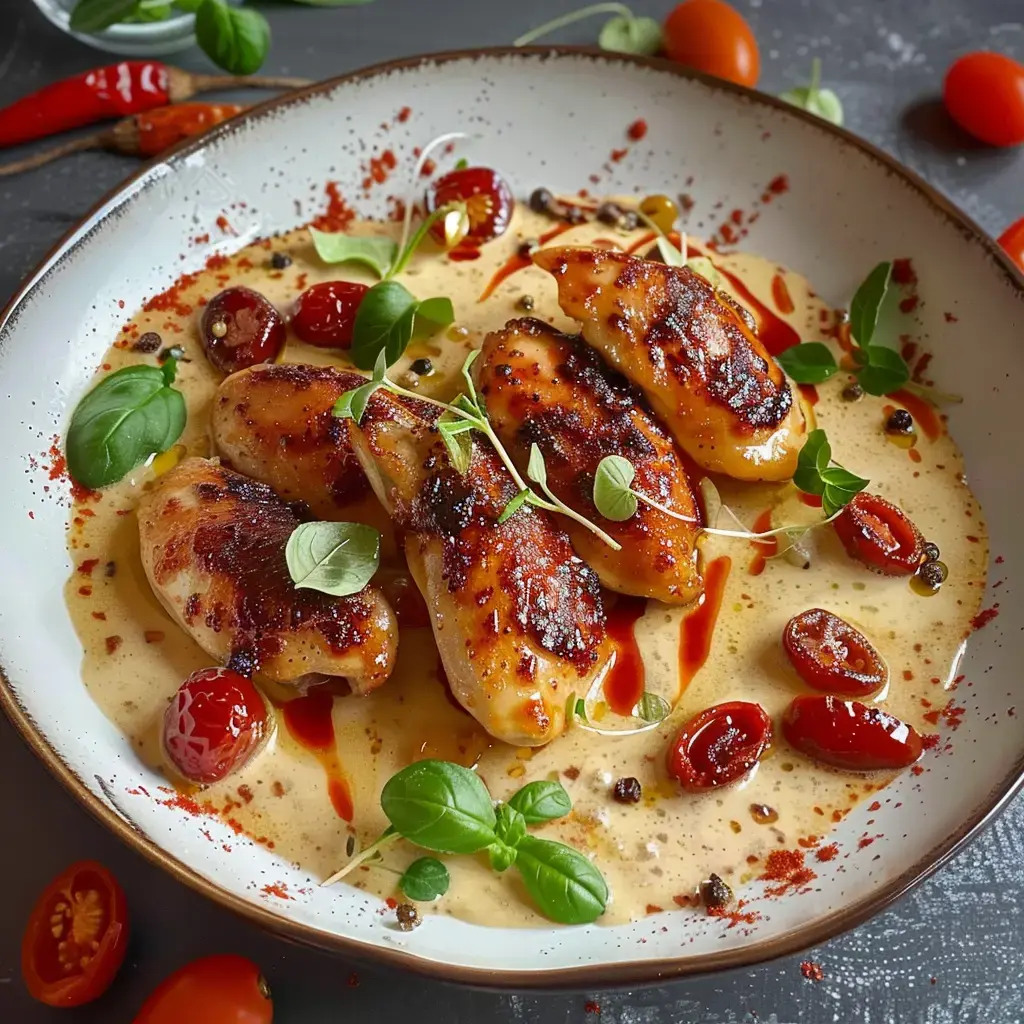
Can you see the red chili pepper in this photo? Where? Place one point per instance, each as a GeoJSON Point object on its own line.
{"type": "Point", "coordinates": [131, 87]}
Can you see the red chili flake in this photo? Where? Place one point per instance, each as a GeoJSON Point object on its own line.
{"type": "Point", "coordinates": [225, 225]}
{"type": "Point", "coordinates": [185, 803]}
{"type": "Point", "coordinates": [428, 168]}
{"type": "Point", "coordinates": [235, 825]}
{"type": "Point", "coordinates": [787, 868]}
{"type": "Point", "coordinates": [864, 842]}
{"type": "Point", "coordinates": [171, 300]}
{"type": "Point", "coordinates": [278, 889]}
{"type": "Point", "coordinates": [58, 464]}
{"type": "Point", "coordinates": [930, 741]}
{"type": "Point", "coordinates": [338, 215]}
{"type": "Point", "coordinates": [112, 643]}
{"type": "Point", "coordinates": [277, 788]}
{"type": "Point", "coordinates": [812, 971]}
{"type": "Point", "coordinates": [403, 115]}
{"type": "Point", "coordinates": [88, 565]}
{"type": "Point", "coordinates": [618, 154]}
{"type": "Point", "coordinates": [874, 806]}
{"type": "Point", "coordinates": [637, 130]}
{"type": "Point", "coordinates": [653, 908]}
{"type": "Point", "coordinates": [951, 318]}
{"type": "Point", "coordinates": [779, 185]}
{"type": "Point", "coordinates": [154, 636]}
{"type": "Point", "coordinates": [985, 616]}
{"type": "Point", "coordinates": [591, 1007]}
{"type": "Point", "coordinates": [916, 770]}
{"type": "Point", "coordinates": [827, 853]}
{"type": "Point", "coordinates": [909, 304]}
{"type": "Point", "coordinates": [903, 272]}
{"type": "Point", "coordinates": [245, 793]}
{"type": "Point", "coordinates": [102, 616]}
{"type": "Point", "coordinates": [736, 915]}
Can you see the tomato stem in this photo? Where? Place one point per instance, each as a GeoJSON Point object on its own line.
{"type": "Point", "coordinates": [573, 16]}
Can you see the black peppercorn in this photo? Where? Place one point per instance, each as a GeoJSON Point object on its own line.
{"type": "Point", "coordinates": [715, 893]}
{"type": "Point", "coordinates": [421, 367]}
{"type": "Point", "coordinates": [541, 200]}
{"type": "Point", "coordinates": [931, 552]}
{"type": "Point", "coordinates": [280, 260]}
{"type": "Point", "coordinates": [900, 422]}
{"type": "Point", "coordinates": [627, 790]}
{"type": "Point", "coordinates": [933, 574]}
{"type": "Point", "coordinates": [574, 215]}
{"type": "Point", "coordinates": [526, 302]}
{"type": "Point", "coordinates": [609, 213]}
{"type": "Point", "coordinates": [148, 342]}
{"type": "Point", "coordinates": [408, 917]}
{"type": "Point", "coordinates": [853, 391]}
{"type": "Point", "coordinates": [629, 221]}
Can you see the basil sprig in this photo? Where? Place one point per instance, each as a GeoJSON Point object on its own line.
{"type": "Point", "coordinates": [336, 247]}
{"type": "Point", "coordinates": [334, 558]}
{"type": "Point", "coordinates": [130, 415]}
{"type": "Point", "coordinates": [816, 473]}
{"type": "Point", "coordinates": [623, 33]}
{"type": "Point", "coordinates": [445, 808]}
{"type": "Point", "coordinates": [387, 318]}
{"type": "Point", "coordinates": [824, 103]}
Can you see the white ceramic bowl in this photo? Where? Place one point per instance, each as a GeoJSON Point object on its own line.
{"type": "Point", "coordinates": [542, 117]}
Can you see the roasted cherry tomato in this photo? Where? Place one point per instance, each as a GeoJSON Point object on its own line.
{"type": "Point", "coordinates": [984, 94]}
{"type": "Point", "coordinates": [213, 990]}
{"type": "Point", "coordinates": [1012, 240]}
{"type": "Point", "coordinates": [488, 199]}
{"type": "Point", "coordinates": [880, 534]}
{"type": "Point", "coordinates": [831, 655]}
{"type": "Point", "coordinates": [720, 745]}
{"type": "Point", "coordinates": [76, 937]}
{"type": "Point", "coordinates": [216, 720]}
{"type": "Point", "coordinates": [851, 735]}
{"type": "Point", "coordinates": [713, 37]}
{"type": "Point", "coordinates": [241, 328]}
{"type": "Point", "coordinates": [326, 313]}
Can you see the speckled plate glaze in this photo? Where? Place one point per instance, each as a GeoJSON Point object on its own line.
{"type": "Point", "coordinates": [550, 117]}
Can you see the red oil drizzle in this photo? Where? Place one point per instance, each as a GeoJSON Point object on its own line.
{"type": "Point", "coordinates": [310, 723]}
{"type": "Point", "coordinates": [781, 296]}
{"type": "Point", "coordinates": [814, 500]}
{"type": "Point", "coordinates": [517, 262]}
{"type": "Point", "coordinates": [642, 241]}
{"type": "Point", "coordinates": [624, 684]}
{"type": "Point", "coordinates": [763, 549]}
{"type": "Point", "coordinates": [923, 412]}
{"type": "Point", "coordinates": [698, 627]}
{"type": "Point", "coordinates": [463, 253]}
{"type": "Point", "coordinates": [809, 392]}
{"type": "Point", "coordinates": [775, 334]}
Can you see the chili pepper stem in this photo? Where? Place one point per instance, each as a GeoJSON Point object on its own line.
{"type": "Point", "coordinates": [183, 85]}
{"type": "Point", "coordinates": [99, 140]}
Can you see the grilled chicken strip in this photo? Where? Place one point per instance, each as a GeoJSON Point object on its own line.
{"type": "Point", "coordinates": [213, 546]}
{"type": "Point", "coordinates": [549, 389]}
{"type": "Point", "coordinates": [517, 616]}
{"type": "Point", "coordinates": [693, 354]}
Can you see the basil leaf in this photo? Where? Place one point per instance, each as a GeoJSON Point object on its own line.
{"type": "Point", "coordinates": [188, 6]}
{"type": "Point", "coordinates": [809, 363]}
{"type": "Point", "coordinates": [612, 495]}
{"type": "Point", "coordinates": [501, 855]}
{"type": "Point", "coordinates": [127, 417]}
{"type": "Point", "coordinates": [376, 253]}
{"type": "Point", "coordinates": [867, 302]}
{"type": "Point", "coordinates": [438, 310]}
{"type": "Point", "coordinates": [234, 38]}
{"type": "Point", "coordinates": [142, 15]}
{"type": "Point", "coordinates": [564, 884]}
{"type": "Point", "coordinates": [334, 558]}
{"type": "Point", "coordinates": [834, 498]}
{"type": "Point", "coordinates": [383, 323]}
{"type": "Point", "coordinates": [652, 708]}
{"type": "Point", "coordinates": [885, 371]}
{"type": "Point", "coordinates": [836, 476]}
{"type": "Point", "coordinates": [440, 806]}
{"type": "Point", "coordinates": [511, 827]}
{"type": "Point", "coordinates": [541, 801]}
{"type": "Point", "coordinates": [514, 505]}
{"type": "Point", "coordinates": [815, 452]}
{"type": "Point", "coordinates": [96, 15]}
{"type": "Point", "coordinates": [425, 880]}
{"type": "Point", "coordinates": [454, 432]}
{"type": "Point", "coordinates": [624, 34]}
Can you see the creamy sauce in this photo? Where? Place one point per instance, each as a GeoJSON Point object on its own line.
{"type": "Point", "coordinates": [649, 852]}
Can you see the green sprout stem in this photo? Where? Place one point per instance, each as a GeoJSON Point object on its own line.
{"type": "Point", "coordinates": [370, 852]}
{"type": "Point", "coordinates": [570, 19]}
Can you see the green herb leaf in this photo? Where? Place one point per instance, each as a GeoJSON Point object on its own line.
{"type": "Point", "coordinates": [541, 801]}
{"type": "Point", "coordinates": [425, 880]}
{"type": "Point", "coordinates": [809, 363]}
{"type": "Point", "coordinates": [836, 498]}
{"type": "Point", "coordinates": [127, 417]}
{"type": "Point", "coordinates": [866, 303]}
{"type": "Point", "coordinates": [188, 6]}
{"type": "Point", "coordinates": [383, 323]}
{"type": "Point", "coordinates": [580, 709]}
{"type": "Point", "coordinates": [564, 884]}
{"type": "Point", "coordinates": [376, 253]}
{"type": "Point", "coordinates": [440, 806]}
{"type": "Point", "coordinates": [536, 469]}
{"type": "Point", "coordinates": [814, 457]}
{"type": "Point", "coordinates": [96, 15]}
{"type": "Point", "coordinates": [501, 855]}
{"type": "Point", "coordinates": [438, 310]}
{"type": "Point", "coordinates": [631, 35]}
{"type": "Point", "coordinates": [455, 432]}
{"type": "Point", "coordinates": [885, 370]}
{"type": "Point", "coordinates": [234, 38]}
{"type": "Point", "coordinates": [352, 404]}
{"type": "Point", "coordinates": [652, 708]}
{"type": "Point", "coordinates": [670, 255]}
{"type": "Point", "coordinates": [334, 558]}
{"type": "Point", "coordinates": [145, 15]}
{"type": "Point", "coordinates": [511, 825]}
{"type": "Point", "coordinates": [703, 266]}
{"type": "Point", "coordinates": [514, 506]}
{"type": "Point", "coordinates": [823, 103]}
{"type": "Point", "coordinates": [467, 366]}
{"type": "Point", "coordinates": [612, 495]}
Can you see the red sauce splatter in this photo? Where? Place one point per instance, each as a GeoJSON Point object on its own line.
{"type": "Point", "coordinates": [811, 971]}
{"type": "Point", "coordinates": [903, 272]}
{"type": "Point", "coordinates": [403, 115]}
{"type": "Point", "coordinates": [787, 869]}
{"type": "Point", "coordinates": [763, 549]}
{"type": "Point", "coordinates": [735, 915]}
{"type": "Point", "coordinates": [379, 169]}
{"type": "Point", "coordinates": [775, 334]}
{"type": "Point", "coordinates": [463, 253]}
{"type": "Point", "coordinates": [952, 714]}
{"type": "Point", "coordinates": [923, 412]}
{"type": "Point", "coordinates": [338, 215]}
{"type": "Point", "coordinates": [812, 500]}
{"type": "Point", "coordinates": [428, 168]}
{"type": "Point", "coordinates": [780, 294]}
{"type": "Point", "coordinates": [984, 617]}
{"type": "Point", "coordinates": [278, 889]}
{"type": "Point", "coordinates": [698, 627]}
{"type": "Point", "coordinates": [637, 130]}
{"type": "Point", "coordinates": [686, 900]}
{"type": "Point", "coordinates": [153, 636]}
{"type": "Point", "coordinates": [951, 318]}
{"type": "Point", "coordinates": [617, 154]}
{"type": "Point", "coordinates": [809, 393]}
{"type": "Point", "coordinates": [112, 643]}
{"type": "Point", "coordinates": [88, 565]}
{"type": "Point", "coordinates": [58, 464]}
{"type": "Point", "coordinates": [909, 304]}
{"type": "Point", "coordinates": [624, 683]}
{"type": "Point", "coordinates": [591, 1007]}
{"type": "Point", "coordinates": [517, 262]}
{"type": "Point", "coordinates": [225, 225]}
{"type": "Point", "coordinates": [827, 853]}
{"type": "Point", "coordinates": [914, 455]}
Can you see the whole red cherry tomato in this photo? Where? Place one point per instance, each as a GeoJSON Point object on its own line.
{"type": "Point", "coordinates": [715, 38]}
{"type": "Point", "coordinates": [213, 990]}
{"type": "Point", "coordinates": [881, 535]}
{"type": "Point", "coordinates": [76, 937]}
{"type": "Point", "coordinates": [831, 655]}
{"type": "Point", "coordinates": [1012, 240]}
{"type": "Point", "coordinates": [848, 734]}
{"type": "Point", "coordinates": [720, 745]}
{"type": "Point", "coordinates": [489, 202]}
{"type": "Point", "coordinates": [326, 313]}
{"type": "Point", "coordinates": [216, 720]}
{"type": "Point", "coordinates": [240, 328]}
{"type": "Point", "coordinates": [984, 94]}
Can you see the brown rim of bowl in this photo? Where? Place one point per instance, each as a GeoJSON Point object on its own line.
{"type": "Point", "coordinates": [598, 975]}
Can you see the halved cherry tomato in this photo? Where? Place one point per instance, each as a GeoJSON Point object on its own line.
{"type": "Point", "coordinates": [984, 94]}
{"type": "Point", "coordinates": [1012, 240]}
{"type": "Point", "coordinates": [489, 202]}
{"type": "Point", "coordinates": [831, 655]}
{"type": "Point", "coordinates": [216, 720]}
{"type": "Point", "coordinates": [881, 535]}
{"type": "Point", "coordinates": [848, 734]}
{"type": "Point", "coordinates": [720, 745]}
{"type": "Point", "coordinates": [76, 937]}
{"type": "Point", "coordinates": [326, 313]}
{"type": "Point", "coordinates": [713, 37]}
{"type": "Point", "coordinates": [224, 989]}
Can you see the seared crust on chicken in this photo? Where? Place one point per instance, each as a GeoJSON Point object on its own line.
{"type": "Point", "coordinates": [549, 389]}
{"type": "Point", "coordinates": [703, 370]}
{"type": "Point", "coordinates": [517, 616]}
{"type": "Point", "coordinates": [213, 548]}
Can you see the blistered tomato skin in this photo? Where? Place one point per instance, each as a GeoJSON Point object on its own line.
{"type": "Point", "coordinates": [831, 656]}
{"type": "Point", "coordinates": [326, 313]}
{"type": "Point", "coordinates": [240, 328]}
{"type": "Point", "coordinates": [720, 745]}
{"type": "Point", "coordinates": [850, 735]}
{"type": "Point", "coordinates": [489, 202]}
{"type": "Point", "coordinates": [881, 535]}
{"type": "Point", "coordinates": [214, 723]}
